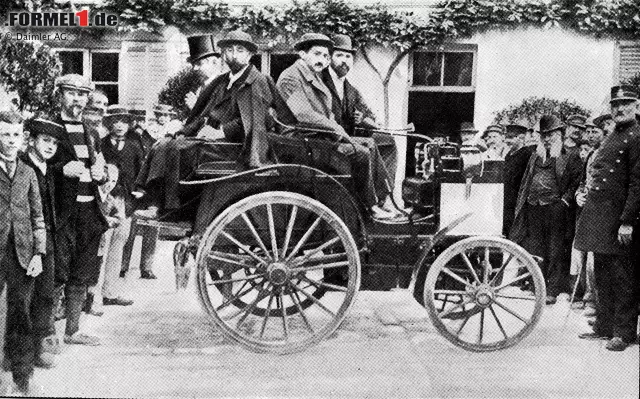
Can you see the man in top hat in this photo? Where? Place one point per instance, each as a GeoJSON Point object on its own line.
{"type": "Point", "coordinates": [544, 209]}
{"type": "Point", "coordinates": [515, 164]}
{"type": "Point", "coordinates": [78, 168]}
{"type": "Point", "coordinates": [574, 130]}
{"type": "Point", "coordinates": [205, 61]}
{"type": "Point", "coordinates": [348, 105]}
{"type": "Point", "coordinates": [234, 107]}
{"type": "Point", "coordinates": [494, 137]}
{"type": "Point", "coordinates": [311, 102]}
{"type": "Point", "coordinates": [608, 220]}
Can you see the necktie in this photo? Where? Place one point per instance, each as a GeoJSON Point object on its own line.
{"type": "Point", "coordinates": [11, 168]}
{"type": "Point", "coordinates": [118, 142]}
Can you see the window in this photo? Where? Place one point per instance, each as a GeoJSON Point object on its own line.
{"type": "Point", "coordinates": [441, 69]}
{"type": "Point", "coordinates": [100, 66]}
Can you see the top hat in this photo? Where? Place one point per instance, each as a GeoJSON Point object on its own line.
{"type": "Point", "coordinates": [493, 128]}
{"type": "Point", "coordinates": [577, 121]}
{"type": "Point", "coordinates": [599, 121]}
{"type": "Point", "coordinates": [623, 93]}
{"type": "Point", "coordinates": [74, 81]}
{"type": "Point", "coordinates": [343, 43]}
{"type": "Point", "coordinates": [201, 47]}
{"type": "Point", "coordinates": [468, 127]}
{"type": "Point", "coordinates": [549, 123]}
{"type": "Point", "coordinates": [117, 110]}
{"type": "Point", "coordinates": [42, 126]}
{"type": "Point", "coordinates": [313, 39]}
{"type": "Point", "coordinates": [163, 109]}
{"type": "Point", "coordinates": [515, 129]}
{"type": "Point", "coordinates": [238, 37]}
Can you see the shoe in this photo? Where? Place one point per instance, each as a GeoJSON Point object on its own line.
{"type": "Point", "coordinates": [81, 339]}
{"type": "Point", "coordinates": [96, 312]}
{"type": "Point", "coordinates": [123, 274]}
{"type": "Point", "coordinates": [550, 300]}
{"type": "Point", "coordinates": [44, 360]}
{"type": "Point", "coordinates": [592, 336]}
{"type": "Point", "coordinates": [149, 213]}
{"type": "Point", "coordinates": [21, 386]}
{"type": "Point", "coordinates": [616, 344]}
{"type": "Point", "coordinates": [51, 344]}
{"type": "Point", "coordinates": [119, 301]}
{"type": "Point", "coordinates": [148, 275]}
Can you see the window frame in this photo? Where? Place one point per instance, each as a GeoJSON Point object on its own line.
{"type": "Point", "coordinates": [449, 48]}
{"type": "Point", "coordinates": [87, 60]}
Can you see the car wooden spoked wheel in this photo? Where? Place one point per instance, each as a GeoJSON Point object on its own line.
{"type": "Point", "coordinates": [262, 271]}
{"type": "Point", "coordinates": [484, 293]}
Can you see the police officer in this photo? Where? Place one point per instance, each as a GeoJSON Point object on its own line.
{"type": "Point", "coordinates": [608, 220]}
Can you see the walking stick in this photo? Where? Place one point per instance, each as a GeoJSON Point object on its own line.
{"type": "Point", "coordinates": [573, 294]}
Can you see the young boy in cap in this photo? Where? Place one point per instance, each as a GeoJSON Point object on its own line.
{"type": "Point", "coordinates": [22, 246]}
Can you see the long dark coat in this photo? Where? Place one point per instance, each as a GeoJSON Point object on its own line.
{"type": "Point", "coordinates": [515, 164]}
{"type": "Point", "coordinates": [614, 198]}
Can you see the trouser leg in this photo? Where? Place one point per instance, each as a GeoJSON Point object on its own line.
{"type": "Point", "coordinates": [148, 250]}
{"type": "Point", "coordinates": [557, 248]}
{"type": "Point", "coordinates": [604, 287]}
{"type": "Point", "coordinates": [75, 295]}
{"type": "Point", "coordinates": [113, 260]}
{"type": "Point", "coordinates": [43, 302]}
{"type": "Point", "coordinates": [625, 309]}
{"type": "Point", "coordinates": [128, 246]}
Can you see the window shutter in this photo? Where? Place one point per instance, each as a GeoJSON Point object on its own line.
{"type": "Point", "coordinates": [629, 60]}
{"type": "Point", "coordinates": [145, 71]}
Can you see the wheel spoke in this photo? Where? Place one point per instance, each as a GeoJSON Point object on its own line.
{"type": "Point", "coordinates": [256, 235]}
{"type": "Point", "coordinates": [523, 298]}
{"type": "Point", "coordinates": [469, 266]}
{"type": "Point", "coordinates": [320, 267]}
{"type": "Point", "coordinates": [464, 323]}
{"type": "Point", "coordinates": [519, 278]}
{"type": "Point", "coordinates": [285, 324]}
{"type": "Point", "coordinates": [261, 295]}
{"type": "Point", "coordinates": [319, 284]}
{"type": "Point", "coordinates": [244, 248]}
{"type": "Point", "coordinates": [457, 306]}
{"type": "Point", "coordinates": [486, 266]}
{"type": "Point", "coordinates": [451, 292]}
{"type": "Point", "coordinates": [233, 280]}
{"type": "Point", "coordinates": [237, 311]}
{"type": "Point", "coordinates": [218, 256]}
{"type": "Point", "coordinates": [306, 256]}
{"type": "Point", "coordinates": [318, 260]}
{"type": "Point", "coordinates": [296, 301]}
{"type": "Point", "coordinates": [236, 296]}
{"type": "Point", "coordinates": [266, 316]}
{"type": "Point", "coordinates": [511, 312]}
{"type": "Point", "coordinates": [504, 266]}
{"type": "Point", "coordinates": [481, 332]}
{"type": "Point", "coordinates": [272, 232]}
{"type": "Point", "coordinates": [287, 237]}
{"type": "Point", "coordinates": [315, 300]}
{"type": "Point", "coordinates": [495, 316]}
{"type": "Point", "coordinates": [456, 277]}
{"type": "Point", "coordinates": [304, 238]}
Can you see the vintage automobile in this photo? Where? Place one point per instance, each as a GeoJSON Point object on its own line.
{"type": "Point", "coordinates": [282, 251]}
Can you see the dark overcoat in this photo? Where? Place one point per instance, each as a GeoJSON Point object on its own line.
{"type": "Point", "coordinates": [515, 164]}
{"type": "Point", "coordinates": [614, 197]}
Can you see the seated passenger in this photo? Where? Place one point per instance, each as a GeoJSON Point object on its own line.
{"type": "Point", "coordinates": [310, 101]}
{"type": "Point", "coordinates": [234, 107]}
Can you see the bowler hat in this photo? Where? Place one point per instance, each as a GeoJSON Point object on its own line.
{"type": "Point", "coordinates": [343, 43]}
{"type": "Point", "coordinates": [493, 128]}
{"type": "Point", "coordinates": [201, 47]}
{"type": "Point", "coordinates": [313, 39]}
{"type": "Point", "coordinates": [599, 121]}
{"type": "Point", "coordinates": [577, 121]}
{"type": "Point", "coordinates": [549, 123]}
{"type": "Point", "coordinates": [74, 81]}
{"type": "Point", "coordinates": [515, 129]}
{"type": "Point", "coordinates": [42, 126]}
{"type": "Point", "coordinates": [238, 37]}
{"type": "Point", "coordinates": [623, 93]}
{"type": "Point", "coordinates": [117, 111]}
{"type": "Point", "coordinates": [163, 109]}
{"type": "Point", "coordinates": [468, 127]}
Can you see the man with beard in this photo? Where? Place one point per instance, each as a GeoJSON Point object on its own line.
{"type": "Point", "coordinates": [205, 62]}
{"type": "Point", "coordinates": [608, 220]}
{"type": "Point", "coordinates": [348, 105]}
{"type": "Point", "coordinates": [78, 168]}
{"type": "Point", "coordinates": [310, 101]}
{"type": "Point", "coordinates": [515, 163]}
{"type": "Point", "coordinates": [545, 200]}
{"type": "Point", "coordinates": [234, 107]}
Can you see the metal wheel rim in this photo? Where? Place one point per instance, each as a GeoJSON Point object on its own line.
{"type": "Point", "coordinates": [284, 345]}
{"type": "Point", "coordinates": [483, 301]}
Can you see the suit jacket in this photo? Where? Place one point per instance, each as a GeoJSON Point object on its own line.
{"type": "Point", "coordinates": [308, 97]}
{"type": "Point", "coordinates": [568, 169]}
{"type": "Point", "coordinates": [614, 197]}
{"type": "Point", "coordinates": [21, 212]}
{"type": "Point", "coordinates": [256, 94]}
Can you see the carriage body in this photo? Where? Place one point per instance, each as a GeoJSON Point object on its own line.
{"type": "Point", "coordinates": [282, 250]}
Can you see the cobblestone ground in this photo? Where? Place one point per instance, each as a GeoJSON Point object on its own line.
{"type": "Point", "coordinates": [163, 346]}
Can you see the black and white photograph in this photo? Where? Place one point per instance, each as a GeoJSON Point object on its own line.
{"type": "Point", "coordinates": [320, 199]}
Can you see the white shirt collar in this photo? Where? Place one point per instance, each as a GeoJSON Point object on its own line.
{"type": "Point", "coordinates": [42, 165]}
{"type": "Point", "coordinates": [233, 77]}
{"type": "Point", "coordinates": [338, 82]}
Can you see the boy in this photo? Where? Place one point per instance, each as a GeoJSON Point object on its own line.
{"type": "Point", "coordinates": [45, 136]}
{"type": "Point", "coordinates": [22, 245]}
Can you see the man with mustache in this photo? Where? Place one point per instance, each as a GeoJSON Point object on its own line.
{"type": "Point", "coordinates": [205, 61]}
{"type": "Point", "coordinates": [311, 102]}
{"type": "Point", "coordinates": [608, 220]}
{"type": "Point", "coordinates": [234, 108]}
{"type": "Point", "coordinates": [78, 168]}
{"type": "Point", "coordinates": [543, 213]}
